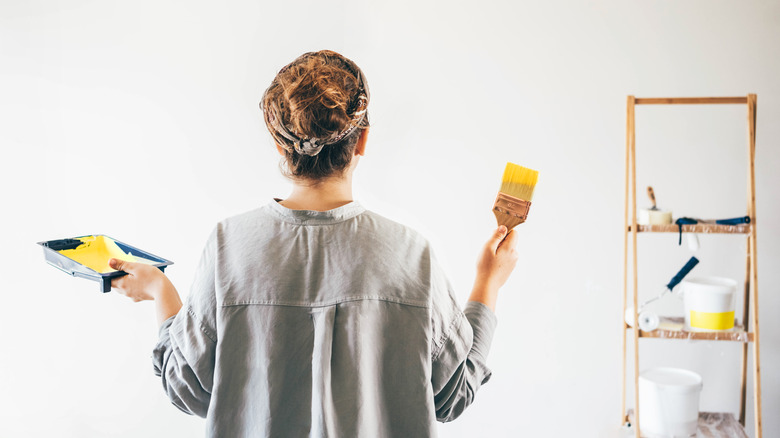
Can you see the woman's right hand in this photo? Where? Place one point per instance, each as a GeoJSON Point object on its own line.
{"type": "Point", "coordinates": [494, 265]}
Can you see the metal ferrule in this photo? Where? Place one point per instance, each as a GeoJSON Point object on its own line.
{"type": "Point", "coordinates": [512, 206]}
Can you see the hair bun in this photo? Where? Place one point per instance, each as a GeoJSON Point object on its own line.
{"type": "Point", "coordinates": [318, 100]}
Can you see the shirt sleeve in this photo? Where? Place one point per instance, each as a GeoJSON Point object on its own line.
{"type": "Point", "coordinates": [460, 348]}
{"type": "Point", "coordinates": [185, 353]}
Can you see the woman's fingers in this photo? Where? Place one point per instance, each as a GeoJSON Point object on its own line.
{"type": "Point", "coordinates": [123, 285]}
{"type": "Point", "coordinates": [122, 265]}
{"type": "Point", "coordinates": [496, 239]}
{"type": "Point", "coordinates": [510, 242]}
{"type": "Point", "coordinates": [142, 281]}
{"type": "Point", "coordinates": [118, 283]}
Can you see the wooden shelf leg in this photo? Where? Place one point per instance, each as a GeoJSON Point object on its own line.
{"type": "Point", "coordinates": [753, 259]}
{"type": "Point", "coordinates": [623, 412]}
{"type": "Point", "coordinates": [632, 149]}
{"type": "Point", "coordinates": [745, 320]}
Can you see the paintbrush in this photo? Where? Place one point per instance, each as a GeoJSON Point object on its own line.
{"type": "Point", "coordinates": [651, 194]}
{"type": "Point", "coordinates": [514, 198]}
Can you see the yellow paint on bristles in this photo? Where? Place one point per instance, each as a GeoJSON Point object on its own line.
{"type": "Point", "coordinates": [519, 181]}
{"type": "Point", "coordinates": [96, 251]}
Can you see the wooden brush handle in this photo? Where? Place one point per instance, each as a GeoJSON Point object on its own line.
{"type": "Point", "coordinates": [651, 194]}
{"type": "Point", "coordinates": [510, 211]}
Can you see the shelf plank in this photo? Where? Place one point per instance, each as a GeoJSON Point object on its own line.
{"type": "Point", "coordinates": [694, 228]}
{"type": "Point", "coordinates": [690, 100]}
{"type": "Point", "coordinates": [711, 424]}
{"type": "Point", "coordinates": [674, 328]}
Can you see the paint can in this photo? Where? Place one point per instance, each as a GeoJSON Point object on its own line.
{"type": "Point", "coordinates": [709, 303]}
{"type": "Point", "coordinates": [669, 402]}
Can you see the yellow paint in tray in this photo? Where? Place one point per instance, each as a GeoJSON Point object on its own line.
{"type": "Point", "coordinates": [96, 251]}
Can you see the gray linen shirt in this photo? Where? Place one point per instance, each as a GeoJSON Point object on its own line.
{"type": "Point", "coordinates": [314, 324]}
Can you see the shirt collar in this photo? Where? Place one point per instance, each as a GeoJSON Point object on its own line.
{"type": "Point", "coordinates": [311, 217]}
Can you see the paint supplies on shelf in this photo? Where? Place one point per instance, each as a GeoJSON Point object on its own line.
{"type": "Point", "coordinates": [747, 333]}
{"type": "Point", "coordinates": [649, 321]}
{"type": "Point", "coordinates": [88, 256]}
{"type": "Point", "coordinates": [670, 402]}
{"type": "Point", "coordinates": [653, 215]}
{"type": "Point", "coordinates": [742, 220]}
{"type": "Point", "coordinates": [709, 303]}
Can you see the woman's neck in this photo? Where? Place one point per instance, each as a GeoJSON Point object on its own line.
{"type": "Point", "coordinates": [323, 196]}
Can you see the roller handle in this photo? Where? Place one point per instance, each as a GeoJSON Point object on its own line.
{"type": "Point", "coordinates": [682, 273]}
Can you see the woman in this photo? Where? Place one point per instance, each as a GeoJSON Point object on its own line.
{"type": "Point", "coordinates": [312, 316]}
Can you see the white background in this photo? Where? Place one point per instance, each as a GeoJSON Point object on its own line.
{"type": "Point", "coordinates": [140, 120]}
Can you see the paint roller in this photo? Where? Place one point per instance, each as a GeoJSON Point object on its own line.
{"type": "Point", "coordinates": [649, 321]}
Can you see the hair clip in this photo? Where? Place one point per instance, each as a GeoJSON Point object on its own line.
{"type": "Point", "coordinates": [309, 147]}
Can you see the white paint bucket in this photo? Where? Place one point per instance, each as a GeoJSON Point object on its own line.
{"type": "Point", "coordinates": [709, 303]}
{"type": "Point", "coordinates": [654, 217]}
{"type": "Point", "coordinates": [669, 402]}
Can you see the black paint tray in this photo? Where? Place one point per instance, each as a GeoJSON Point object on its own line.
{"type": "Point", "coordinates": [64, 263]}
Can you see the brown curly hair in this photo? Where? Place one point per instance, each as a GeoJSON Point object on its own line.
{"type": "Point", "coordinates": [315, 109]}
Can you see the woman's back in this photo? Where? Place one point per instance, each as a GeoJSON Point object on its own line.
{"type": "Point", "coordinates": [321, 324]}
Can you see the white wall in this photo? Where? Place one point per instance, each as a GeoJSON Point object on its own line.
{"type": "Point", "coordinates": [140, 120]}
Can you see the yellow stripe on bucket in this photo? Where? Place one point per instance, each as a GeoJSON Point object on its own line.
{"type": "Point", "coordinates": [712, 320]}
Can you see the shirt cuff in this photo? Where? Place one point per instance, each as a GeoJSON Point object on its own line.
{"type": "Point", "coordinates": [483, 322]}
{"type": "Point", "coordinates": [163, 331]}
{"type": "Point", "coordinates": [163, 344]}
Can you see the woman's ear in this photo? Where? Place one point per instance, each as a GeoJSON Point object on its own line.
{"type": "Point", "coordinates": [360, 147]}
{"type": "Point", "coordinates": [280, 150]}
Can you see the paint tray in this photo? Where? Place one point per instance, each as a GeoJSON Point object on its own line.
{"type": "Point", "coordinates": [63, 254]}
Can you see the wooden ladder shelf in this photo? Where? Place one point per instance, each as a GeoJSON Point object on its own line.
{"type": "Point", "coordinates": [747, 333]}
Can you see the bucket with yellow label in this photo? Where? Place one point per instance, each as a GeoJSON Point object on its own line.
{"type": "Point", "coordinates": [709, 303]}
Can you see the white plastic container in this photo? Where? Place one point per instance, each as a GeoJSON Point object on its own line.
{"type": "Point", "coordinates": [669, 402]}
{"type": "Point", "coordinates": [709, 303]}
{"type": "Point", "coordinates": [654, 217]}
